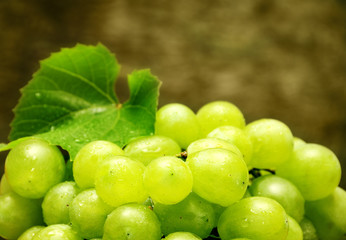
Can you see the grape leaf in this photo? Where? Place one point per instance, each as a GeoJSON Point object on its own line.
{"type": "Point", "coordinates": [71, 101]}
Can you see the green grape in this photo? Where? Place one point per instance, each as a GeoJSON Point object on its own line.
{"type": "Point", "coordinates": [281, 190]}
{"type": "Point", "coordinates": [119, 180]}
{"type": "Point", "coordinates": [218, 211]}
{"type": "Point", "coordinates": [4, 186]}
{"type": "Point", "coordinates": [88, 158]}
{"type": "Point", "coordinates": [18, 214]}
{"type": "Point", "coordinates": [328, 215]}
{"type": "Point", "coordinates": [56, 203]}
{"type": "Point", "coordinates": [206, 143]}
{"type": "Point", "coordinates": [247, 193]}
{"type": "Point", "coordinates": [182, 236]}
{"type": "Point", "coordinates": [235, 136]}
{"type": "Point", "coordinates": [193, 214]}
{"type": "Point", "coordinates": [257, 218]}
{"type": "Point", "coordinates": [294, 230]}
{"type": "Point", "coordinates": [309, 231]}
{"type": "Point", "coordinates": [297, 142]}
{"type": "Point", "coordinates": [217, 114]}
{"type": "Point", "coordinates": [146, 149]}
{"type": "Point", "coordinates": [30, 233]}
{"type": "Point", "coordinates": [314, 169]}
{"type": "Point", "coordinates": [272, 143]}
{"type": "Point", "coordinates": [57, 232]}
{"type": "Point", "coordinates": [240, 239]}
{"type": "Point", "coordinates": [33, 166]}
{"type": "Point", "coordinates": [178, 122]}
{"type": "Point", "coordinates": [132, 222]}
{"type": "Point", "coordinates": [168, 180]}
{"type": "Point", "coordinates": [219, 176]}
{"type": "Point", "coordinates": [88, 214]}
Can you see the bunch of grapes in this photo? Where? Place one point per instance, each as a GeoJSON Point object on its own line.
{"type": "Point", "coordinates": [207, 175]}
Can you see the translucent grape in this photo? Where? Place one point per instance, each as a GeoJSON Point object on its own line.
{"type": "Point", "coordinates": [294, 230]}
{"type": "Point", "coordinates": [272, 143]}
{"type": "Point", "coordinates": [178, 122]}
{"type": "Point", "coordinates": [219, 175]}
{"type": "Point", "coordinates": [87, 159]}
{"type": "Point", "coordinates": [4, 186]}
{"type": "Point", "coordinates": [18, 214]}
{"type": "Point", "coordinates": [309, 230]}
{"type": "Point", "coordinates": [328, 215]}
{"type": "Point", "coordinates": [257, 218]}
{"type": "Point", "coordinates": [88, 214]}
{"type": "Point", "coordinates": [193, 214]}
{"type": "Point", "coordinates": [119, 180]}
{"type": "Point", "coordinates": [56, 203]}
{"type": "Point", "coordinates": [57, 231]}
{"type": "Point", "coordinates": [132, 222]}
{"type": "Point", "coordinates": [182, 236]}
{"type": "Point", "coordinates": [314, 169]}
{"type": "Point", "coordinates": [206, 143]}
{"type": "Point", "coordinates": [33, 166]}
{"type": "Point", "coordinates": [219, 113]}
{"type": "Point", "coordinates": [281, 190]}
{"type": "Point", "coordinates": [30, 233]}
{"type": "Point", "coordinates": [168, 180]}
{"type": "Point", "coordinates": [146, 149]}
{"type": "Point", "coordinates": [235, 136]}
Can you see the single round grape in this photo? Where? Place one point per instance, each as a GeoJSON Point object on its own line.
{"type": "Point", "coordinates": [314, 169]}
{"type": "Point", "coordinates": [119, 180]}
{"type": "Point", "coordinates": [57, 231]}
{"type": "Point", "coordinates": [257, 218]}
{"type": "Point", "coordinates": [281, 190]}
{"type": "Point", "coordinates": [219, 175]}
{"type": "Point", "coordinates": [4, 186]}
{"type": "Point", "coordinates": [88, 214]}
{"type": "Point", "coordinates": [328, 215]}
{"type": "Point", "coordinates": [168, 180]}
{"type": "Point", "coordinates": [294, 230]}
{"type": "Point", "coordinates": [18, 214]}
{"type": "Point", "coordinates": [87, 159]}
{"type": "Point", "coordinates": [272, 143]}
{"type": "Point", "coordinates": [182, 236]}
{"type": "Point", "coordinates": [56, 203]}
{"type": "Point", "coordinates": [178, 122]}
{"type": "Point", "coordinates": [309, 230]}
{"type": "Point", "coordinates": [30, 233]}
{"type": "Point", "coordinates": [33, 166]}
{"type": "Point", "coordinates": [206, 143]}
{"type": "Point", "coordinates": [235, 136]}
{"type": "Point", "coordinates": [193, 214]}
{"type": "Point", "coordinates": [219, 113]}
{"type": "Point", "coordinates": [132, 222]}
{"type": "Point", "coordinates": [146, 149]}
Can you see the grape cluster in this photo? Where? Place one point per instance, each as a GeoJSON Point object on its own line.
{"type": "Point", "coordinates": [201, 176]}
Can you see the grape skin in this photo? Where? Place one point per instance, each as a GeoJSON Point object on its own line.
{"type": "Point", "coordinates": [219, 175]}
{"type": "Point", "coordinates": [168, 180]}
{"type": "Point", "coordinates": [119, 180]}
{"type": "Point", "coordinates": [33, 166]}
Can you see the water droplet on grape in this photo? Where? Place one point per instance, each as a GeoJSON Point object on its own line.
{"type": "Point", "coordinates": [38, 95]}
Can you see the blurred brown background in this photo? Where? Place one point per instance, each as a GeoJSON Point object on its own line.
{"type": "Point", "coordinates": [272, 58]}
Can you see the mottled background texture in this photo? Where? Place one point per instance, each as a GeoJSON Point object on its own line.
{"type": "Point", "coordinates": [272, 58]}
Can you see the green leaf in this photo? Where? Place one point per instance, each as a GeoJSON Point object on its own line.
{"type": "Point", "coordinates": [71, 101]}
